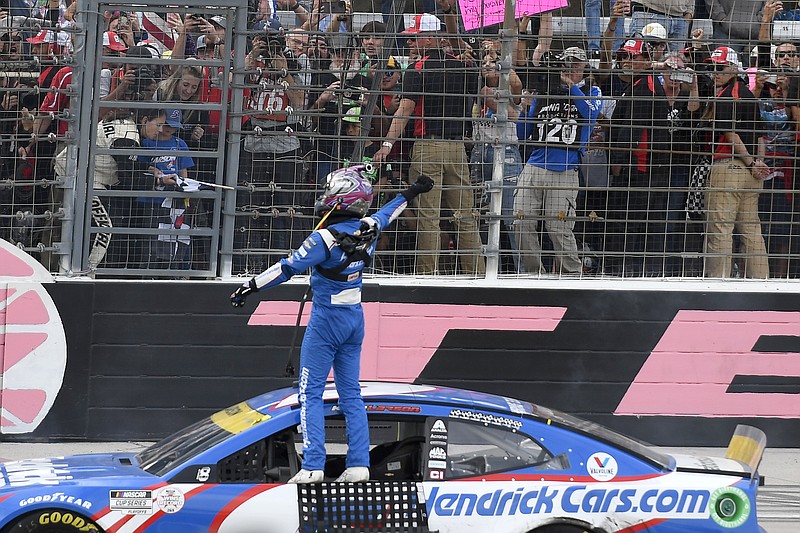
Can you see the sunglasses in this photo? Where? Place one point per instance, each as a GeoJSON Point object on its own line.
{"type": "Point", "coordinates": [718, 69]}
{"type": "Point", "coordinates": [389, 73]}
{"type": "Point", "coordinates": [786, 53]}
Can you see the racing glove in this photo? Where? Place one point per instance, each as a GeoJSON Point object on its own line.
{"type": "Point", "coordinates": [239, 296]}
{"type": "Point", "coordinates": [423, 184]}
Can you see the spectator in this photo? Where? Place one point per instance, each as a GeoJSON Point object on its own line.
{"type": "Point", "coordinates": [787, 56]}
{"type": "Point", "coordinates": [119, 132]}
{"type": "Point", "coordinates": [270, 157]}
{"type": "Point", "coordinates": [297, 47]}
{"type": "Point", "coordinates": [736, 173]}
{"type": "Point", "coordinates": [655, 36]}
{"type": "Point", "coordinates": [352, 130]}
{"type": "Point", "coordinates": [167, 251]}
{"type": "Point", "coordinates": [638, 138]}
{"type": "Point", "coordinates": [672, 16]}
{"type": "Point", "coordinates": [131, 81]}
{"type": "Point", "coordinates": [340, 88]}
{"type": "Point", "coordinates": [736, 23]}
{"type": "Point", "coordinates": [593, 11]}
{"type": "Point", "coordinates": [371, 40]}
{"type": "Point", "coordinates": [487, 134]}
{"type": "Point", "coordinates": [775, 203]}
{"type": "Point", "coordinates": [318, 53]}
{"type": "Point", "coordinates": [183, 86]}
{"type": "Point", "coordinates": [682, 95]}
{"type": "Point", "coordinates": [438, 91]}
{"type": "Point", "coordinates": [561, 119]}
{"type": "Point", "coordinates": [125, 26]}
{"type": "Point", "coordinates": [113, 46]}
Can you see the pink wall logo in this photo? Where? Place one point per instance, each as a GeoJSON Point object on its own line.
{"type": "Point", "coordinates": [33, 347]}
{"type": "Point", "coordinates": [687, 373]}
{"type": "Point", "coordinates": [404, 341]}
{"type": "Point", "coordinates": [697, 358]}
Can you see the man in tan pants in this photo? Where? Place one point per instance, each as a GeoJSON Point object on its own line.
{"type": "Point", "coordinates": [437, 92]}
{"type": "Point", "coordinates": [736, 173]}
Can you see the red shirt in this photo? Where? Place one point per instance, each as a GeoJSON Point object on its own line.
{"type": "Point", "coordinates": [58, 100]}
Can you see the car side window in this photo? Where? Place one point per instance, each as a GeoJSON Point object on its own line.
{"type": "Point", "coordinates": [475, 449]}
{"type": "Point", "coordinates": [270, 460]}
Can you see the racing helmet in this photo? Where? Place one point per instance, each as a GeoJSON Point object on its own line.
{"type": "Point", "coordinates": [347, 191]}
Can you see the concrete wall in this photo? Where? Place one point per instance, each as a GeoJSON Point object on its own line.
{"type": "Point", "coordinates": [673, 367]}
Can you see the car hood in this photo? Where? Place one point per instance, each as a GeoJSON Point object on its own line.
{"type": "Point", "coordinates": [55, 471]}
{"type": "Point", "coordinates": [711, 465]}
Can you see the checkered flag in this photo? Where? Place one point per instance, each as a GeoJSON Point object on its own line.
{"type": "Point", "coordinates": [695, 200]}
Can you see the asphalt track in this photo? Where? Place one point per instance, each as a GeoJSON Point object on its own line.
{"type": "Point", "coordinates": [778, 499]}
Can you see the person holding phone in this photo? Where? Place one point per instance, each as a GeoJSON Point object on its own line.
{"type": "Point", "coordinates": [683, 112]}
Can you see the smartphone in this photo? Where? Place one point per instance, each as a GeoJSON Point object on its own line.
{"type": "Point", "coordinates": [123, 20]}
{"type": "Point", "coordinates": [682, 76]}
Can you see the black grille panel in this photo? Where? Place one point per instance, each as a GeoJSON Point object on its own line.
{"type": "Point", "coordinates": [372, 507]}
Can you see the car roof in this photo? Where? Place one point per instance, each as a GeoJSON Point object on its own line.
{"type": "Point", "coordinates": [275, 402]}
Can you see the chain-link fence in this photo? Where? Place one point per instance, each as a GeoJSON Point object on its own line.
{"type": "Point", "coordinates": [191, 142]}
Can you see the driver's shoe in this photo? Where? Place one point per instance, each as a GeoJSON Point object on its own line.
{"type": "Point", "coordinates": [354, 474]}
{"type": "Point", "coordinates": [308, 476]}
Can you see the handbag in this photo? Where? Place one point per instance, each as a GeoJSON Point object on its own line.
{"type": "Point", "coordinates": [698, 181]}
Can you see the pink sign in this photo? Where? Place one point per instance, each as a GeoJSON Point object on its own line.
{"type": "Point", "coordinates": [480, 13]}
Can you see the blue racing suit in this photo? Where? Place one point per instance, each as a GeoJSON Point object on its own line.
{"type": "Point", "coordinates": [333, 336]}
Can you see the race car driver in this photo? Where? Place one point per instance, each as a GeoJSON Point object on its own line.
{"type": "Point", "coordinates": [337, 251]}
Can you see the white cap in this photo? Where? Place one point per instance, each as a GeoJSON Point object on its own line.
{"type": "Point", "coordinates": [654, 30]}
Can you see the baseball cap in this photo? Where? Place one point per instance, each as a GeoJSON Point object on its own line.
{"type": "Point", "coordinates": [725, 56]}
{"type": "Point", "coordinates": [373, 26]}
{"type": "Point", "coordinates": [113, 41]}
{"type": "Point", "coordinates": [423, 23]}
{"type": "Point", "coordinates": [219, 20]}
{"type": "Point", "coordinates": [44, 36]}
{"type": "Point", "coordinates": [654, 31]}
{"type": "Point", "coordinates": [573, 52]}
{"type": "Point", "coordinates": [634, 46]}
{"type": "Point", "coordinates": [353, 115]}
{"type": "Point", "coordinates": [174, 118]}
{"type": "Point", "coordinates": [393, 63]}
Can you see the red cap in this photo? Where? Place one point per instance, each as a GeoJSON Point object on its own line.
{"type": "Point", "coordinates": [44, 36]}
{"type": "Point", "coordinates": [423, 23]}
{"type": "Point", "coordinates": [725, 56]}
{"type": "Point", "coordinates": [635, 47]}
{"type": "Point", "coordinates": [113, 41]}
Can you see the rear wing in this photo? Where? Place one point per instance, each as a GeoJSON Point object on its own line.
{"type": "Point", "coordinates": [747, 446]}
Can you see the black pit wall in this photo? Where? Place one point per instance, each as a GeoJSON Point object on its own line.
{"type": "Point", "coordinates": [145, 359]}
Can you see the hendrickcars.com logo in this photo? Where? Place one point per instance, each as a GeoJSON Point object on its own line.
{"type": "Point", "coordinates": [571, 500]}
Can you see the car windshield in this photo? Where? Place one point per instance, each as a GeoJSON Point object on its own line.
{"type": "Point", "coordinates": [599, 432]}
{"type": "Point", "coordinates": [182, 446]}
{"type": "Point", "coordinates": [189, 442]}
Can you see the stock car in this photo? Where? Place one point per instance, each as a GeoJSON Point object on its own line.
{"type": "Point", "coordinates": [442, 460]}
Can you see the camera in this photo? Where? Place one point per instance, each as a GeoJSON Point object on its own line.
{"type": "Point", "coordinates": [275, 45]}
{"type": "Point", "coordinates": [145, 79]}
{"type": "Point", "coordinates": [681, 76]}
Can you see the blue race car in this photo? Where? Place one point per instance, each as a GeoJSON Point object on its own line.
{"type": "Point", "coordinates": [442, 460]}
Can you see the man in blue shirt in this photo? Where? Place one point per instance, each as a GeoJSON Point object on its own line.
{"type": "Point", "coordinates": [558, 124]}
{"type": "Point", "coordinates": [336, 326]}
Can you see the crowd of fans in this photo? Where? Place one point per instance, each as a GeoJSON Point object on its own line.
{"type": "Point", "coordinates": [656, 151]}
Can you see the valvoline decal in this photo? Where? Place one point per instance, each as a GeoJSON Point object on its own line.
{"type": "Point", "coordinates": [560, 500]}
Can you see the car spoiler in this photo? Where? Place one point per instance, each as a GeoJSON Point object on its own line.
{"type": "Point", "coordinates": [747, 446]}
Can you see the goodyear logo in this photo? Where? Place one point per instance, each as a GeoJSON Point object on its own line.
{"type": "Point", "coordinates": [571, 500]}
